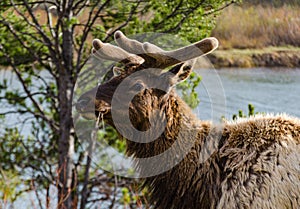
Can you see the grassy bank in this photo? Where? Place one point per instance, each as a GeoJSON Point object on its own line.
{"type": "Point", "coordinates": [263, 57]}
{"type": "Point", "coordinates": [258, 26]}
{"type": "Point", "coordinates": [258, 35]}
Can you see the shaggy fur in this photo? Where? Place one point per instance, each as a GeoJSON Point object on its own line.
{"type": "Point", "coordinates": [254, 163]}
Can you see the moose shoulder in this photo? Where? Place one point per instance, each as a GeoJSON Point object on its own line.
{"type": "Point", "coordinates": [252, 163]}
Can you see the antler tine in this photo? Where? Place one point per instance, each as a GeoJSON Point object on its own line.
{"type": "Point", "coordinates": [130, 45]}
{"type": "Point", "coordinates": [161, 60]}
{"type": "Point", "coordinates": [168, 58]}
{"type": "Point", "coordinates": [152, 49]}
{"type": "Point", "coordinates": [194, 50]}
{"type": "Point", "coordinates": [111, 52]}
{"type": "Point", "coordinates": [152, 55]}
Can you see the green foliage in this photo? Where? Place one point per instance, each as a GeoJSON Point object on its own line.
{"type": "Point", "coordinates": [133, 198]}
{"type": "Point", "coordinates": [251, 112]}
{"type": "Point", "coordinates": [13, 32]}
{"type": "Point", "coordinates": [188, 90]}
{"type": "Point", "coordinates": [69, 23]}
{"type": "Point", "coordinates": [189, 19]}
{"type": "Point", "coordinates": [109, 134]}
{"type": "Point", "coordinates": [126, 199]}
{"type": "Point", "coordinates": [9, 181]}
{"type": "Point", "coordinates": [12, 151]}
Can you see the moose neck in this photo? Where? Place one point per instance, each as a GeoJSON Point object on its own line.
{"type": "Point", "coordinates": [167, 176]}
{"type": "Point", "coordinates": [178, 116]}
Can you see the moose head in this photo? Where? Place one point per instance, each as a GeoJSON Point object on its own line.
{"type": "Point", "coordinates": [141, 80]}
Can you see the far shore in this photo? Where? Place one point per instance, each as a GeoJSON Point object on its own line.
{"type": "Point", "coordinates": [249, 58]}
{"type": "Point", "coordinates": [288, 57]}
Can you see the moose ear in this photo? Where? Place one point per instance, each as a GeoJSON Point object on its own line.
{"type": "Point", "coordinates": [181, 72]}
{"type": "Point", "coordinates": [117, 71]}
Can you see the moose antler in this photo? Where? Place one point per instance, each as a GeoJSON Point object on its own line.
{"type": "Point", "coordinates": [150, 55]}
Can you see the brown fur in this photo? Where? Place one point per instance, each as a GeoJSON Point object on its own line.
{"type": "Point", "coordinates": [255, 163]}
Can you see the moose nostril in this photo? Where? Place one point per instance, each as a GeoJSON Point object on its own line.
{"type": "Point", "coordinates": [78, 106]}
{"type": "Point", "coordinates": [82, 103]}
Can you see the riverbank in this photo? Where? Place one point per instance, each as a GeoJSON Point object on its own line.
{"type": "Point", "coordinates": [249, 58]}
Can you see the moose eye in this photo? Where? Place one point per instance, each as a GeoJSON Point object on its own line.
{"type": "Point", "coordinates": [138, 87]}
{"type": "Point", "coordinates": [84, 101]}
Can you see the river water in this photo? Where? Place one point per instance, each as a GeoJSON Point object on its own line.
{"type": "Point", "coordinates": [274, 90]}
{"type": "Point", "coordinates": [225, 91]}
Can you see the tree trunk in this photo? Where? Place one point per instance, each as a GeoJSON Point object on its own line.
{"type": "Point", "coordinates": [65, 144]}
{"type": "Point", "coordinates": [67, 184]}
